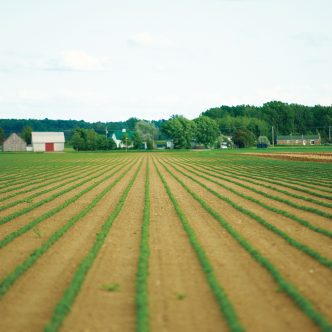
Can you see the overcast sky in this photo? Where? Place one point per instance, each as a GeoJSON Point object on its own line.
{"type": "Point", "coordinates": [107, 60]}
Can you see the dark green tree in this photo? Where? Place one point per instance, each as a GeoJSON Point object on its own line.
{"type": "Point", "coordinates": [26, 134]}
{"type": "Point", "coordinates": [244, 138]}
{"type": "Point", "coordinates": [207, 131]}
{"type": "Point", "coordinates": [2, 136]}
{"type": "Point", "coordinates": [181, 130]}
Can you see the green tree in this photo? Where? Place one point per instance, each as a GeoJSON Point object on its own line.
{"type": "Point", "coordinates": [207, 130]}
{"type": "Point", "coordinates": [2, 136]}
{"type": "Point", "coordinates": [137, 140]}
{"type": "Point", "coordinates": [26, 134]}
{"type": "Point", "coordinates": [147, 131]}
{"type": "Point", "coordinates": [244, 138]}
{"type": "Point", "coordinates": [181, 130]}
{"type": "Point", "coordinates": [77, 141]}
{"type": "Point", "coordinates": [126, 141]}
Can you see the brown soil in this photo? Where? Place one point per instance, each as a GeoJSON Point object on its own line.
{"type": "Point", "coordinates": [250, 288]}
{"type": "Point", "coordinates": [29, 303]}
{"type": "Point", "coordinates": [297, 156]}
{"type": "Point", "coordinates": [180, 298]}
{"type": "Point", "coordinates": [315, 281]}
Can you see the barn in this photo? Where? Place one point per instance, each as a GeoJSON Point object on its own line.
{"type": "Point", "coordinates": [48, 141]}
{"type": "Point", "coordinates": [14, 143]}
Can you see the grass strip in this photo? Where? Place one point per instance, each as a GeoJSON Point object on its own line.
{"type": "Point", "coordinates": [304, 248]}
{"type": "Point", "coordinates": [63, 307]}
{"type": "Point", "coordinates": [12, 236]}
{"type": "Point", "coordinates": [142, 293]}
{"type": "Point", "coordinates": [303, 303]}
{"type": "Point", "coordinates": [220, 294]}
{"type": "Point", "coordinates": [20, 269]}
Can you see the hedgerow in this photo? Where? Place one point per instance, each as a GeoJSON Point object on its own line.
{"type": "Point", "coordinates": [63, 307]}
{"type": "Point", "coordinates": [221, 296]}
{"type": "Point", "coordinates": [303, 303]}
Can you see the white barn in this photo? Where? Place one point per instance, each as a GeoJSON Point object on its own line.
{"type": "Point", "coordinates": [48, 141]}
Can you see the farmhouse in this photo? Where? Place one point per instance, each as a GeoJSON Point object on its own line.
{"type": "Point", "coordinates": [48, 141]}
{"type": "Point", "coordinates": [118, 136]}
{"type": "Point", "coordinates": [14, 143]}
{"type": "Point", "coordinates": [299, 140]}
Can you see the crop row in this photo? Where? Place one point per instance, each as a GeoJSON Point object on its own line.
{"type": "Point", "coordinates": [142, 294]}
{"type": "Point", "coordinates": [36, 177]}
{"type": "Point", "coordinates": [303, 303]}
{"type": "Point", "coordinates": [244, 175]}
{"type": "Point", "coordinates": [311, 184]}
{"type": "Point", "coordinates": [63, 307]}
{"type": "Point", "coordinates": [48, 199]}
{"type": "Point", "coordinates": [220, 294]}
{"type": "Point", "coordinates": [305, 249]}
{"type": "Point", "coordinates": [44, 184]}
{"type": "Point", "coordinates": [272, 197]}
{"type": "Point", "coordinates": [21, 268]}
{"type": "Point", "coordinates": [10, 237]}
{"type": "Point", "coordinates": [301, 197]}
{"type": "Point", "coordinates": [62, 184]}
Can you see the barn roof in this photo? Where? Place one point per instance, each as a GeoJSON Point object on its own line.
{"type": "Point", "coordinates": [119, 134]}
{"type": "Point", "coordinates": [48, 137]}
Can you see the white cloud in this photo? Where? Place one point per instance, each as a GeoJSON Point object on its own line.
{"type": "Point", "coordinates": [143, 39]}
{"type": "Point", "coordinates": [73, 60]}
{"type": "Point", "coordinates": [76, 60]}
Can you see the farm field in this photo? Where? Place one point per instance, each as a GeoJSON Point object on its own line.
{"type": "Point", "coordinates": [168, 241]}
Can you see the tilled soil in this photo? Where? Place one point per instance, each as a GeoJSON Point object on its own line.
{"type": "Point", "coordinates": [179, 295]}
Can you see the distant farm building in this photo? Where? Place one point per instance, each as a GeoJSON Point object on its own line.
{"type": "Point", "coordinates": [48, 141]}
{"type": "Point", "coordinates": [14, 143]}
{"type": "Point", "coordinates": [118, 137]}
{"type": "Point", "coordinates": [299, 140]}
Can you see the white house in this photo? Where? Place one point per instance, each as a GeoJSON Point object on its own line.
{"type": "Point", "coordinates": [48, 141]}
{"type": "Point", "coordinates": [118, 135]}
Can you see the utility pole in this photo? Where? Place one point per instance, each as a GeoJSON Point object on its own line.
{"type": "Point", "coordinates": [272, 136]}
{"type": "Point", "coordinates": [330, 134]}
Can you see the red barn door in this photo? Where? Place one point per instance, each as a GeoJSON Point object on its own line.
{"type": "Point", "coordinates": [49, 147]}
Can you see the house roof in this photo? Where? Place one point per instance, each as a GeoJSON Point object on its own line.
{"type": "Point", "coordinates": [119, 134]}
{"type": "Point", "coordinates": [298, 137]}
{"type": "Point", "coordinates": [47, 137]}
{"type": "Point", "coordinates": [14, 136]}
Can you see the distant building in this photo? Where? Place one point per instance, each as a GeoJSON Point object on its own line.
{"type": "Point", "coordinates": [48, 141]}
{"type": "Point", "coordinates": [299, 140]}
{"type": "Point", "coordinates": [14, 143]}
{"type": "Point", "coordinates": [118, 135]}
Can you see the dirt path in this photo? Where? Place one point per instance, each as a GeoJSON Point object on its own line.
{"type": "Point", "coordinates": [29, 303]}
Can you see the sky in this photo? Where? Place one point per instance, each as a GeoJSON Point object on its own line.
{"type": "Point", "coordinates": [107, 60]}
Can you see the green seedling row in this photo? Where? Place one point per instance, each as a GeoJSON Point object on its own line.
{"type": "Point", "coordinates": [302, 302]}
{"type": "Point", "coordinates": [63, 307]}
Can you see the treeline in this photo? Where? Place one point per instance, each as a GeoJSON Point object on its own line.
{"type": "Point", "coordinates": [286, 118]}
{"type": "Point", "coordinates": [67, 126]}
